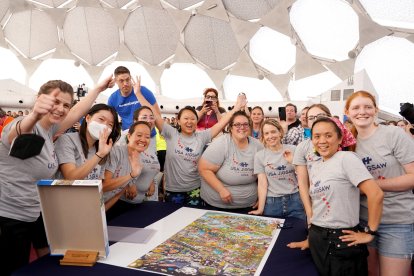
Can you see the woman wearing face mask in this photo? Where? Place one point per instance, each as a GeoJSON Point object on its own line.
{"type": "Point", "coordinates": [277, 183]}
{"type": "Point", "coordinates": [82, 155]}
{"type": "Point", "coordinates": [125, 169]}
{"type": "Point", "coordinates": [337, 244]}
{"type": "Point", "coordinates": [185, 146]}
{"type": "Point", "coordinates": [388, 154]}
{"type": "Point", "coordinates": [20, 223]}
{"type": "Point", "coordinates": [226, 167]}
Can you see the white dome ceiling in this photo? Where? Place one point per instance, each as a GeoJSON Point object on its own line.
{"type": "Point", "coordinates": [276, 44]}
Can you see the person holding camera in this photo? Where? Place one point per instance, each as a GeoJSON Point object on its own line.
{"type": "Point", "coordinates": [210, 112]}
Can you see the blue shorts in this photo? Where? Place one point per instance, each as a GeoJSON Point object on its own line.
{"type": "Point", "coordinates": [286, 206]}
{"type": "Point", "coordinates": [394, 240]}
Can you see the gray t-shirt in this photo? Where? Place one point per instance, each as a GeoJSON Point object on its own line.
{"type": "Point", "coordinates": [118, 165]}
{"type": "Point", "coordinates": [334, 192]}
{"type": "Point", "coordinates": [150, 168]}
{"type": "Point", "coordinates": [181, 160]}
{"type": "Point", "coordinates": [281, 176]}
{"type": "Point", "coordinates": [18, 192]}
{"type": "Point", "coordinates": [305, 155]}
{"type": "Point", "coordinates": [236, 172]}
{"type": "Point", "coordinates": [383, 154]}
{"type": "Point", "coordinates": [69, 150]}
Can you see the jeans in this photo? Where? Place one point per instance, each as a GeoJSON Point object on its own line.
{"type": "Point", "coordinates": [284, 207]}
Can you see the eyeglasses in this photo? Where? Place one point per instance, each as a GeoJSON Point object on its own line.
{"type": "Point", "coordinates": [241, 125]}
{"type": "Point", "coordinates": [146, 118]}
{"type": "Point", "coordinates": [208, 97]}
{"type": "Point", "coordinates": [320, 115]}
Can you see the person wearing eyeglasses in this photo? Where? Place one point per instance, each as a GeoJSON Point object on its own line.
{"type": "Point", "coordinates": [227, 167]}
{"type": "Point", "coordinates": [124, 100]}
{"type": "Point", "coordinates": [210, 112]}
{"type": "Point", "coordinates": [185, 146]}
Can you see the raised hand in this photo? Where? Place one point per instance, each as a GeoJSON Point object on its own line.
{"type": "Point", "coordinates": [137, 84]}
{"type": "Point", "coordinates": [44, 104]}
{"type": "Point", "coordinates": [108, 82]}
{"type": "Point", "coordinates": [104, 146]}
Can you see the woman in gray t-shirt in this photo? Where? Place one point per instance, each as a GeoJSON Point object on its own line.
{"type": "Point", "coordinates": [337, 244]}
{"type": "Point", "coordinates": [184, 148]}
{"type": "Point", "coordinates": [19, 205]}
{"type": "Point", "coordinates": [82, 154]}
{"type": "Point", "coordinates": [277, 182]}
{"type": "Point", "coordinates": [226, 167]}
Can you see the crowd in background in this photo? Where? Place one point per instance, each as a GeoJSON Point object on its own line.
{"type": "Point", "coordinates": [304, 164]}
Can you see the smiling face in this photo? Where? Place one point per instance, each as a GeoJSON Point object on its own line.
{"type": "Point", "coordinates": [187, 122]}
{"type": "Point", "coordinates": [140, 138]}
{"type": "Point", "coordinates": [61, 107]}
{"type": "Point", "coordinates": [271, 135]}
{"type": "Point", "coordinates": [240, 127]}
{"type": "Point", "coordinates": [146, 115]}
{"type": "Point", "coordinates": [362, 112]}
{"type": "Point", "coordinates": [325, 139]}
{"type": "Point", "coordinates": [257, 116]}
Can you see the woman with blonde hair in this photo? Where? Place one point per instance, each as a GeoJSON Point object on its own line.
{"type": "Point", "coordinates": [277, 182]}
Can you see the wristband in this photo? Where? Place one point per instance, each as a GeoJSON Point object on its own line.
{"type": "Point", "coordinates": [98, 156]}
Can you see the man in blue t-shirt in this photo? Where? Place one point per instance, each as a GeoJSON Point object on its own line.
{"type": "Point", "coordinates": [124, 100]}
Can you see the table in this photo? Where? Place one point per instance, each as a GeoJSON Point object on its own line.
{"type": "Point", "coordinates": [282, 260]}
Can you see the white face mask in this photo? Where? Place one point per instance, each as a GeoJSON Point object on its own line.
{"type": "Point", "coordinates": [95, 129]}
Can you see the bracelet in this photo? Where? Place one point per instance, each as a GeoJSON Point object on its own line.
{"type": "Point", "coordinates": [98, 156]}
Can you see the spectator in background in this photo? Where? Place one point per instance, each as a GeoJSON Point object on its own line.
{"type": "Point", "coordinates": [9, 113]}
{"type": "Point", "coordinates": [173, 122]}
{"type": "Point", "coordinates": [4, 120]}
{"type": "Point", "coordinates": [292, 126]}
{"type": "Point", "coordinates": [209, 113]}
{"type": "Point", "coordinates": [402, 124]}
{"type": "Point", "coordinates": [20, 113]}
{"type": "Point", "coordinates": [392, 123]}
{"type": "Point", "coordinates": [257, 117]}
{"type": "Point", "coordinates": [348, 124]}
{"type": "Point", "coordinates": [303, 120]}
{"type": "Point", "coordinates": [26, 112]}
{"type": "Point", "coordinates": [124, 100]}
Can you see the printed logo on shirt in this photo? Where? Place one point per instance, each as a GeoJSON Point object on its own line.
{"type": "Point", "coordinates": [374, 168]}
{"type": "Point", "coordinates": [187, 153]}
{"type": "Point", "coordinates": [149, 161]}
{"type": "Point", "coordinates": [53, 165]}
{"type": "Point", "coordinates": [94, 174]}
{"type": "Point", "coordinates": [241, 168]}
{"type": "Point", "coordinates": [280, 172]}
{"type": "Point", "coordinates": [128, 104]}
{"type": "Point", "coordinates": [318, 192]}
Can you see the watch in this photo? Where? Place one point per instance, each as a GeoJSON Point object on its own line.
{"type": "Point", "coordinates": [368, 230]}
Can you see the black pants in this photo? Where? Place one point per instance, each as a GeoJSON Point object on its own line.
{"type": "Point", "coordinates": [161, 158]}
{"type": "Point", "coordinates": [334, 257]}
{"type": "Point", "coordinates": [15, 239]}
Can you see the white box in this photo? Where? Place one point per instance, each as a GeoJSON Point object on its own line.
{"type": "Point", "coordinates": [74, 215]}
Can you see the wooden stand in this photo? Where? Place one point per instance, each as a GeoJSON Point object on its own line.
{"type": "Point", "coordinates": [79, 258]}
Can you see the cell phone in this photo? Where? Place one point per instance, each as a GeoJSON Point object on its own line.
{"type": "Point", "coordinates": [282, 113]}
{"type": "Point", "coordinates": [209, 103]}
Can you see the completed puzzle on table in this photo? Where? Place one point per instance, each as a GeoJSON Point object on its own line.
{"type": "Point", "coordinates": [215, 244]}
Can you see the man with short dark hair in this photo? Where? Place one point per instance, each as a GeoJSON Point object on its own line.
{"type": "Point", "coordinates": [124, 99]}
{"type": "Point", "coordinates": [294, 134]}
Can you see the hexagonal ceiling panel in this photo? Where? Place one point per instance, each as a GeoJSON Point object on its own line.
{"type": "Point", "coordinates": [391, 13]}
{"type": "Point", "coordinates": [117, 3]}
{"type": "Point", "coordinates": [91, 34]}
{"type": "Point", "coordinates": [32, 32]}
{"type": "Point", "coordinates": [4, 6]}
{"type": "Point", "coordinates": [151, 35]}
{"type": "Point", "coordinates": [51, 3]}
{"type": "Point", "coordinates": [250, 9]}
{"type": "Point", "coordinates": [183, 4]}
{"type": "Point", "coordinates": [211, 41]}
{"type": "Point", "coordinates": [272, 50]}
{"type": "Point", "coordinates": [318, 22]}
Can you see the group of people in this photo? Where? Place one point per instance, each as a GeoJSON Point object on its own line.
{"type": "Point", "coordinates": [353, 188]}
